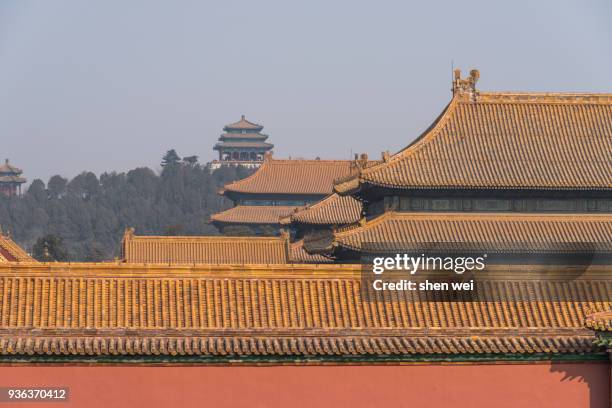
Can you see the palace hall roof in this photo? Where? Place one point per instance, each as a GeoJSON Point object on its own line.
{"type": "Point", "coordinates": [11, 252]}
{"type": "Point", "coordinates": [504, 140]}
{"type": "Point", "coordinates": [283, 313]}
{"type": "Point", "coordinates": [292, 177]}
{"type": "Point", "coordinates": [242, 124]}
{"type": "Point", "coordinates": [252, 214]}
{"type": "Point", "coordinates": [332, 210]}
{"type": "Point", "coordinates": [204, 249]}
{"type": "Point", "coordinates": [494, 232]}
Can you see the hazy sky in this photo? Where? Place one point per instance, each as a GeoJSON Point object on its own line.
{"type": "Point", "coordinates": [111, 85]}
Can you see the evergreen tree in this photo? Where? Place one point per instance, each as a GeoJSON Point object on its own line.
{"type": "Point", "coordinates": [170, 158]}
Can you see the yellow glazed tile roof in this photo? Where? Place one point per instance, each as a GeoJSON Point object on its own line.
{"type": "Point", "coordinates": [494, 232]}
{"type": "Point", "coordinates": [283, 310]}
{"type": "Point", "coordinates": [306, 177]}
{"type": "Point", "coordinates": [204, 249]}
{"type": "Point", "coordinates": [252, 214]}
{"type": "Point", "coordinates": [505, 141]}
{"type": "Point", "coordinates": [332, 210]}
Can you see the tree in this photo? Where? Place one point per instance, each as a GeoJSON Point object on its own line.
{"type": "Point", "coordinates": [56, 186]}
{"type": "Point", "coordinates": [50, 248]}
{"type": "Point", "coordinates": [37, 190]}
{"type": "Point", "coordinates": [171, 158]}
{"type": "Point", "coordinates": [191, 160]}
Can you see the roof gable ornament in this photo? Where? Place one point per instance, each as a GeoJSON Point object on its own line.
{"type": "Point", "coordinates": [466, 88]}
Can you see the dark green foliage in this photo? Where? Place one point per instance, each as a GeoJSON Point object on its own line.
{"type": "Point", "coordinates": [171, 158]}
{"type": "Point", "coordinates": [50, 248]}
{"type": "Point", "coordinates": [89, 214]}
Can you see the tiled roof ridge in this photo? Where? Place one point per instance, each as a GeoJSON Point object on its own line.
{"type": "Point", "coordinates": [541, 97]}
{"type": "Point", "coordinates": [196, 238]}
{"type": "Point", "coordinates": [263, 271]}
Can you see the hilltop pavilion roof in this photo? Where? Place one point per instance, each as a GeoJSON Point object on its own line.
{"type": "Point", "coordinates": [272, 313]}
{"type": "Point", "coordinates": [242, 124]}
{"type": "Point", "coordinates": [297, 177]}
{"type": "Point", "coordinates": [494, 232]}
{"type": "Point", "coordinates": [504, 140]}
{"type": "Point", "coordinates": [9, 169]}
{"type": "Point", "coordinates": [11, 252]}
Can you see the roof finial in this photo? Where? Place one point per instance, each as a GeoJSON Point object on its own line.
{"type": "Point", "coordinates": [467, 86]}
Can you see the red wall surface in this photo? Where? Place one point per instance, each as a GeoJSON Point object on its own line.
{"type": "Point", "coordinates": [457, 386]}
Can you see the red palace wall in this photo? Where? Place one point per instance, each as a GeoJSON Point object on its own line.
{"type": "Point", "coordinates": [539, 385]}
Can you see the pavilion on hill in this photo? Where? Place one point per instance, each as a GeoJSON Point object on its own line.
{"type": "Point", "coordinates": [241, 144]}
{"type": "Point", "coordinates": [10, 179]}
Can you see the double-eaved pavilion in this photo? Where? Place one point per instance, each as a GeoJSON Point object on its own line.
{"type": "Point", "coordinates": [242, 144]}
{"type": "Point", "coordinates": [10, 179]}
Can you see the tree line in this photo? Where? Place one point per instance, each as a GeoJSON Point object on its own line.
{"type": "Point", "coordinates": [83, 219]}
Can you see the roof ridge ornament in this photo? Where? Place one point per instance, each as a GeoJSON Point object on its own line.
{"type": "Point", "coordinates": [466, 88]}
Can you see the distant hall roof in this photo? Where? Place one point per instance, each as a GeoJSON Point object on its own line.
{"type": "Point", "coordinates": [314, 177]}
{"type": "Point", "coordinates": [204, 249]}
